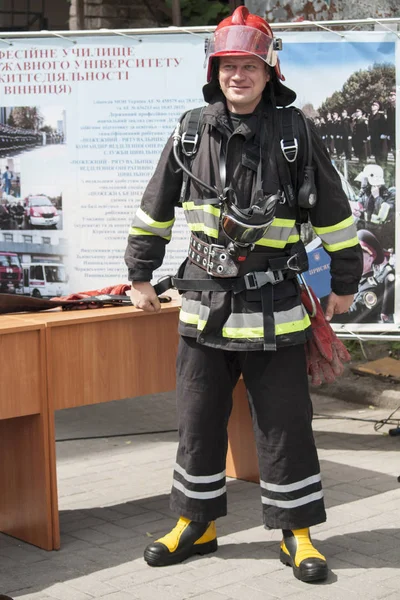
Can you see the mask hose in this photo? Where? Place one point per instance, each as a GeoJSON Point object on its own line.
{"type": "Point", "coordinates": [176, 141]}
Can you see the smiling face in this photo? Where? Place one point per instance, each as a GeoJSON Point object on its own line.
{"type": "Point", "coordinates": [242, 80]}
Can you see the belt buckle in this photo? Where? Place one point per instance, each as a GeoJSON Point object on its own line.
{"type": "Point", "coordinates": [211, 253]}
{"type": "Point", "coordinates": [295, 268]}
{"type": "Point", "coordinates": [257, 279]}
{"type": "Point", "coordinates": [278, 276]}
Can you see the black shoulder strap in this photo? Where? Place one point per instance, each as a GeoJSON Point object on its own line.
{"type": "Point", "coordinates": [190, 130]}
{"type": "Point", "coordinates": [286, 154]}
{"type": "Point", "coordinates": [289, 132]}
{"type": "Point", "coordinates": [293, 146]}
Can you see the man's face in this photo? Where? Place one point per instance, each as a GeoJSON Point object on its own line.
{"type": "Point", "coordinates": [392, 98]}
{"type": "Point", "coordinates": [242, 80]}
{"type": "Point", "coordinates": [374, 108]}
{"type": "Point", "coordinates": [344, 113]}
{"type": "Point", "coordinates": [358, 114]}
{"type": "Point", "coordinates": [335, 116]}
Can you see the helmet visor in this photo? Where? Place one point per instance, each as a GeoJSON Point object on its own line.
{"type": "Point", "coordinates": [242, 40]}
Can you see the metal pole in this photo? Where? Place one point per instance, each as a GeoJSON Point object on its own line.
{"type": "Point", "coordinates": [176, 13]}
{"type": "Point", "coordinates": [80, 14]}
{"type": "Point", "coordinates": [174, 29]}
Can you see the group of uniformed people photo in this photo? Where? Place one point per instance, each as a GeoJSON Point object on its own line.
{"type": "Point", "coordinates": [363, 134]}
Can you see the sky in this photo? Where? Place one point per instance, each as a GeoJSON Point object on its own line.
{"type": "Point", "coordinates": [51, 114]}
{"type": "Point", "coordinates": [317, 69]}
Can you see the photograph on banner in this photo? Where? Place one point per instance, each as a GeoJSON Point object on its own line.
{"type": "Point", "coordinates": [39, 272]}
{"type": "Point", "coordinates": [11, 205]}
{"type": "Point", "coordinates": [44, 277]}
{"type": "Point", "coordinates": [353, 108]}
{"type": "Point", "coordinates": [28, 135]}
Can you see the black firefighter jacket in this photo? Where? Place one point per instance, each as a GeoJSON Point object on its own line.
{"type": "Point", "coordinates": [223, 319]}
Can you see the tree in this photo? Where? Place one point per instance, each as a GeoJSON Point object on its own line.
{"type": "Point", "coordinates": [361, 89]}
{"type": "Point", "coordinates": [208, 12]}
{"type": "Point", "coordinates": [26, 117]}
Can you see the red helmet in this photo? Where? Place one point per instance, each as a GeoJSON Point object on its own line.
{"type": "Point", "coordinates": [241, 34]}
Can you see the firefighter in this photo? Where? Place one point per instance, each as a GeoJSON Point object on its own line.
{"type": "Point", "coordinates": [241, 310]}
{"type": "Point", "coordinates": [377, 127]}
{"type": "Point", "coordinates": [391, 121]}
{"type": "Point", "coordinates": [360, 135]}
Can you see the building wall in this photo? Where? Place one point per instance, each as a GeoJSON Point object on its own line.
{"type": "Point", "coordinates": [282, 11]}
{"type": "Point", "coordinates": [119, 14]}
{"type": "Point", "coordinates": [55, 11]}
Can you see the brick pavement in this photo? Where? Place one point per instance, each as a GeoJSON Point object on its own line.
{"type": "Point", "coordinates": [114, 499]}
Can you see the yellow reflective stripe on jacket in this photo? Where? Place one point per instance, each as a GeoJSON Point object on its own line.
{"type": "Point", "coordinates": [202, 227]}
{"type": "Point", "coordinates": [202, 217]}
{"type": "Point", "coordinates": [249, 325]}
{"type": "Point", "coordinates": [209, 208]}
{"type": "Point", "coordinates": [246, 326]}
{"type": "Point", "coordinates": [139, 231]}
{"type": "Point", "coordinates": [292, 239]}
{"type": "Point", "coordinates": [339, 236]}
{"type": "Point", "coordinates": [143, 224]}
{"type": "Point", "coordinates": [281, 232]}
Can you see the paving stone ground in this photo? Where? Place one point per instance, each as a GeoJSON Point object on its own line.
{"type": "Point", "coordinates": [113, 494]}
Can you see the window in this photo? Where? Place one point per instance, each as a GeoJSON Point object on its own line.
{"type": "Point", "coordinates": [8, 237]}
{"type": "Point", "coordinates": [28, 239]}
{"type": "Point", "coordinates": [46, 240]}
{"type": "Point", "coordinates": [36, 272]}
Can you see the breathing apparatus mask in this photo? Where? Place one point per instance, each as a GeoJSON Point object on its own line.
{"type": "Point", "coordinates": [245, 226]}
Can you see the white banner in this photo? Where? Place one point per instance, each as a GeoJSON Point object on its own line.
{"type": "Point", "coordinates": [83, 122]}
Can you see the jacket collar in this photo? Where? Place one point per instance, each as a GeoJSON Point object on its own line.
{"type": "Point", "coordinates": [216, 115]}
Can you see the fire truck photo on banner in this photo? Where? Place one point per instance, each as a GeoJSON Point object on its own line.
{"type": "Point", "coordinates": [353, 108]}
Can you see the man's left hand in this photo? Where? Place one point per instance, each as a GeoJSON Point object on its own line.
{"type": "Point", "coordinates": [337, 305]}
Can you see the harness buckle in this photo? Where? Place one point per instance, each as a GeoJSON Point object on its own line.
{"type": "Point", "coordinates": [193, 142]}
{"type": "Point", "coordinates": [256, 279]}
{"type": "Point", "coordinates": [290, 148]}
{"type": "Point", "coordinates": [211, 254]}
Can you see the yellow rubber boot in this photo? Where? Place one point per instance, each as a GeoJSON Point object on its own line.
{"type": "Point", "coordinates": [186, 539]}
{"type": "Point", "coordinates": [298, 552]}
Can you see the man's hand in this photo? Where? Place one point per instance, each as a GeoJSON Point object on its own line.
{"type": "Point", "coordinates": [144, 297]}
{"type": "Point", "coordinates": [337, 305]}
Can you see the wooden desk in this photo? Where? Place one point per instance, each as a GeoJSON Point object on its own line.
{"type": "Point", "coordinates": [25, 477]}
{"type": "Point", "coordinates": [59, 359]}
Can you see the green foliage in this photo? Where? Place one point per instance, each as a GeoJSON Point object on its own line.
{"type": "Point", "coordinates": [206, 12]}
{"type": "Point", "coordinates": [26, 117]}
{"type": "Point", "coordinates": [364, 352]}
{"type": "Point", "coordinates": [361, 88]}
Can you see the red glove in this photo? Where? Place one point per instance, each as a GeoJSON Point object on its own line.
{"type": "Point", "coordinates": [111, 290]}
{"type": "Point", "coordinates": [324, 351]}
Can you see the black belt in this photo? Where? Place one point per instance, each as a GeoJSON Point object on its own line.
{"type": "Point", "coordinates": [251, 281]}
{"type": "Point", "coordinates": [279, 269]}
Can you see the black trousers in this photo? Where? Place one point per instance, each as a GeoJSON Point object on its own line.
{"type": "Point", "coordinates": [280, 404]}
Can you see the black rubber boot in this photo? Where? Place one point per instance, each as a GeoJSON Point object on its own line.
{"type": "Point", "coordinates": [186, 539]}
{"type": "Point", "coordinates": [298, 552]}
